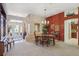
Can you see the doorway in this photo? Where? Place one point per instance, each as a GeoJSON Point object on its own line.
{"type": "Point", "coordinates": [71, 33]}
{"type": "Point", "coordinates": [37, 27]}
{"type": "Point", "coordinates": [16, 29]}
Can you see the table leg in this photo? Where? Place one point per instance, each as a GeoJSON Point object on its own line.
{"type": "Point", "coordinates": [53, 41]}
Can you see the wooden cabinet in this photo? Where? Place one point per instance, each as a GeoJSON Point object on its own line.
{"type": "Point", "coordinates": [73, 35]}
{"type": "Point", "coordinates": [73, 30]}
{"type": "Point", "coordinates": [1, 48]}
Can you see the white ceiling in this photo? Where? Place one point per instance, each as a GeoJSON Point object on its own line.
{"type": "Point", "coordinates": [24, 9]}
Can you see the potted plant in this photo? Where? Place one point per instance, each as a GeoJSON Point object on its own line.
{"type": "Point", "coordinates": [45, 29]}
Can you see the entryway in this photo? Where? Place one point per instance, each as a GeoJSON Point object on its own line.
{"type": "Point", "coordinates": [16, 28]}
{"type": "Point", "coordinates": [71, 33]}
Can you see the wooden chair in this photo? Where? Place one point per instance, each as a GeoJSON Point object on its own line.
{"type": "Point", "coordinates": [37, 39]}
{"type": "Point", "coordinates": [52, 40]}
{"type": "Point", "coordinates": [45, 40]}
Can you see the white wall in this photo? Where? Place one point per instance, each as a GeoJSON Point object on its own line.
{"type": "Point", "coordinates": [31, 20]}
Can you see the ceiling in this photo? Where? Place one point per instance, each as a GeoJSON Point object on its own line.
{"type": "Point", "coordinates": [24, 9]}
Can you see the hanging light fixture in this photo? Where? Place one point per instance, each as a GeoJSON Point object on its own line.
{"type": "Point", "coordinates": [45, 12]}
{"type": "Point", "coordinates": [45, 22]}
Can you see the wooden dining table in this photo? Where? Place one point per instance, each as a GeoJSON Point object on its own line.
{"type": "Point", "coordinates": [49, 37]}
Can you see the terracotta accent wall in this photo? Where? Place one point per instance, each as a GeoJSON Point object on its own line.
{"type": "Point", "coordinates": [57, 19]}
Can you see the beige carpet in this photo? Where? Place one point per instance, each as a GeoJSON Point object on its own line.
{"type": "Point", "coordinates": [24, 48]}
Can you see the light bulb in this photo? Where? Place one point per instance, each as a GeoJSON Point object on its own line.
{"type": "Point", "coordinates": [47, 22]}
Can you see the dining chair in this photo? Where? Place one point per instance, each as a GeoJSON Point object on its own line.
{"type": "Point", "coordinates": [37, 39]}
{"type": "Point", "coordinates": [45, 40]}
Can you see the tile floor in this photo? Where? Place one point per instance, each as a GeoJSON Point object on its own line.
{"type": "Point", "coordinates": [24, 48]}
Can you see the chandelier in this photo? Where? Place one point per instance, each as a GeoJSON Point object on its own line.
{"type": "Point", "coordinates": [45, 22]}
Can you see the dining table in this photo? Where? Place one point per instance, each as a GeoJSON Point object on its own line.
{"type": "Point", "coordinates": [48, 37]}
